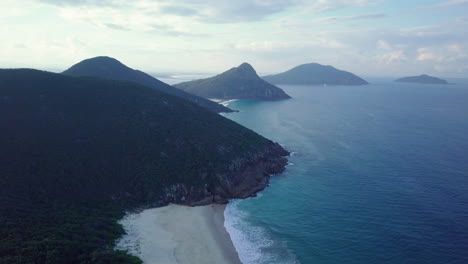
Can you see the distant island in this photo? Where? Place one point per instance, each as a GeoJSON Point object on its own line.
{"type": "Point", "coordinates": [112, 69]}
{"type": "Point", "coordinates": [237, 83]}
{"type": "Point", "coordinates": [79, 152]}
{"type": "Point", "coordinates": [315, 74]}
{"type": "Point", "coordinates": [422, 79]}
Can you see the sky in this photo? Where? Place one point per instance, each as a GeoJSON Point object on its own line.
{"type": "Point", "coordinates": [367, 37]}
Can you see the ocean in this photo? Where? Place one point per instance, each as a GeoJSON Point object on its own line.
{"type": "Point", "coordinates": [378, 174]}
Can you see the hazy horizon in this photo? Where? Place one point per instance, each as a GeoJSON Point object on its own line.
{"type": "Point", "coordinates": [378, 38]}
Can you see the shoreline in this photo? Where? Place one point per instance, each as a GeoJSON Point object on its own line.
{"type": "Point", "coordinates": [224, 102]}
{"type": "Point", "coordinates": [177, 234]}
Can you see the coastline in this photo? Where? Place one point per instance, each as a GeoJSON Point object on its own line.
{"type": "Point", "coordinates": [177, 234]}
{"type": "Point", "coordinates": [224, 102]}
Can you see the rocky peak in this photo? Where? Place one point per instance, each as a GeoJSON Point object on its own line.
{"type": "Point", "coordinates": [246, 67]}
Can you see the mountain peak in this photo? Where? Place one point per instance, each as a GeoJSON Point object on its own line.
{"type": "Point", "coordinates": [245, 69]}
{"type": "Point", "coordinates": [240, 82]}
{"type": "Point", "coordinates": [103, 60]}
{"type": "Point", "coordinates": [112, 69]}
{"type": "Point", "coordinates": [246, 66]}
{"type": "Point", "coordinates": [102, 66]}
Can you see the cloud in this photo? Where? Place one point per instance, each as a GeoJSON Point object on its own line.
{"type": "Point", "coordinates": [171, 31]}
{"type": "Point", "coordinates": [447, 3]}
{"type": "Point", "coordinates": [219, 11]}
{"type": "Point", "coordinates": [327, 5]}
{"type": "Point", "coordinates": [222, 11]}
{"type": "Point", "coordinates": [289, 46]}
{"type": "Point", "coordinates": [392, 57]}
{"type": "Point", "coordinates": [178, 10]}
{"type": "Point", "coordinates": [355, 17]}
{"type": "Point", "coordinates": [80, 2]}
{"type": "Point", "coordinates": [383, 45]}
{"type": "Point", "coordinates": [425, 55]}
{"type": "Point", "coordinates": [115, 26]}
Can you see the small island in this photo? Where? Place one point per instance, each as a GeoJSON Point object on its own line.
{"type": "Point", "coordinates": [422, 79]}
{"type": "Point", "coordinates": [315, 74]}
{"type": "Point", "coordinates": [240, 82]}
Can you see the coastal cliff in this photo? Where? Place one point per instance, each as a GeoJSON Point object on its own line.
{"type": "Point", "coordinates": [78, 152]}
{"type": "Point", "coordinates": [244, 177]}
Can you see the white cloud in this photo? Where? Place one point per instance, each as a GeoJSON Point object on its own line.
{"type": "Point", "coordinates": [424, 54]}
{"type": "Point", "coordinates": [392, 57]}
{"type": "Point", "coordinates": [222, 11]}
{"type": "Point", "coordinates": [327, 5]}
{"type": "Point", "coordinates": [448, 3]}
{"type": "Point", "coordinates": [383, 45]}
{"type": "Point", "coordinates": [271, 34]}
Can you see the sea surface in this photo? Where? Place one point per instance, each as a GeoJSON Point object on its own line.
{"type": "Point", "coordinates": [378, 174]}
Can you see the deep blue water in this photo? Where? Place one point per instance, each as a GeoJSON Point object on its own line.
{"type": "Point", "coordinates": [379, 175]}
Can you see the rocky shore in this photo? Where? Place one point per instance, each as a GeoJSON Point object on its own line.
{"type": "Point", "coordinates": [245, 177]}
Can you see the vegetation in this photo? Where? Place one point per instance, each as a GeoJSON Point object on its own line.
{"type": "Point", "coordinates": [237, 83]}
{"type": "Point", "coordinates": [315, 74]}
{"type": "Point", "coordinates": [112, 69]}
{"type": "Point", "coordinates": [423, 79]}
{"type": "Point", "coordinates": [79, 151]}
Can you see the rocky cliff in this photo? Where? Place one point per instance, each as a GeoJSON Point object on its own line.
{"type": "Point", "coordinates": [77, 152]}
{"type": "Point", "coordinates": [245, 177]}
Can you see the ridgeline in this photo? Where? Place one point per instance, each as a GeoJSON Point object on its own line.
{"type": "Point", "coordinates": [237, 83]}
{"type": "Point", "coordinates": [422, 79]}
{"type": "Point", "coordinates": [315, 74]}
{"type": "Point", "coordinates": [112, 69]}
{"type": "Point", "coordinates": [77, 152]}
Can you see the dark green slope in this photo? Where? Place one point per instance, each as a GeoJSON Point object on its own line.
{"type": "Point", "coordinates": [237, 83]}
{"type": "Point", "coordinates": [315, 74]}
{"type": "Point", "coordinates": [112, 69]}
{"type": "Point", "coordinates": [79, 151]}
{"type": "Point", "coordinates": [422, 79]}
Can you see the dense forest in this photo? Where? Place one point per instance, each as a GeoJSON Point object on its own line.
{"type": "Point", "coordinates": [112, 69]}
{"type": "Point", "coordinates": [77, 152]}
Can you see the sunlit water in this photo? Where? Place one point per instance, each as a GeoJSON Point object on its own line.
{"type": "Point", "coordinates": [379, 175]}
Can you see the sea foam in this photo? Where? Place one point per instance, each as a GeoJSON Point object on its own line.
{"type": "Point", "coordinates": [251, 242]}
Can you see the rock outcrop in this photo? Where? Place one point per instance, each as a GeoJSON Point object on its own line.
{"type": "Point", "coordinates": [245, 177]}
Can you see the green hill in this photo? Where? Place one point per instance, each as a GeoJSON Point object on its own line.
{"type": "Point", "coordinates": [77, 152]}
{"type": "Point", "coordinates": [237, 83]}
{"type": "Point", "coordinates": [422, 79]}
{"type": "Point", "coordinates": [112, 69]}
{"type": "Point", "coordinates": [315, 74]}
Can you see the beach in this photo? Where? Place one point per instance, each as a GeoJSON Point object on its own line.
{"type": "Point", "coordinates": [177, 234]}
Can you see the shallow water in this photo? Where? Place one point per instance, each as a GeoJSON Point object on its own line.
{"type": "Point", "coordinates": [379, 175]}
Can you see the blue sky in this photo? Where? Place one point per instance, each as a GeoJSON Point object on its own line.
{"type": "Point", "coordinates": [367, 37]}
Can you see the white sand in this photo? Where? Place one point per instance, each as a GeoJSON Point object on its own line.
{"type": "Point", "coordinates": [179, 234]}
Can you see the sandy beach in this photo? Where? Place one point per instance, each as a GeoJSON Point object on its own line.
{"type": "Point", "coordinates": [179, 235]}
{"type": "Point", "coordinates": [224, 102]}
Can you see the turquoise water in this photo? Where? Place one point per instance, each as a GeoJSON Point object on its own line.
{"type": "Point", "coordinates": [379, 174]}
